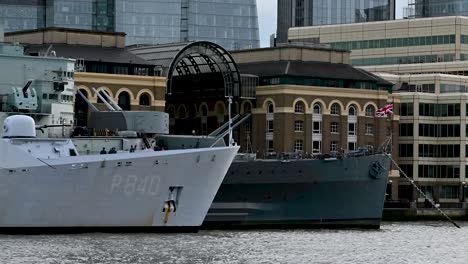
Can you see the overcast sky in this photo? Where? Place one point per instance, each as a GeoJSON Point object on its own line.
{"type": "Point", "coordinates": [267, 18]}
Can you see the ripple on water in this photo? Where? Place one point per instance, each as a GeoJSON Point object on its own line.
{"type": "Point", "coordinates": [427, 242]}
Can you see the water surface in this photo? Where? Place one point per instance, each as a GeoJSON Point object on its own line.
{"type": "Point", "coordinates": [422, 242]}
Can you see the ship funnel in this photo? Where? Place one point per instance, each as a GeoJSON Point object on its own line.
{"type": "Point", "coordinates": [19, 126]}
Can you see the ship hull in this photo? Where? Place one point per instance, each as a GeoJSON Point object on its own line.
{"type": "Point", "coordinates": [337, 193]}
{"type": "Point", "coordinates": [126, 191]}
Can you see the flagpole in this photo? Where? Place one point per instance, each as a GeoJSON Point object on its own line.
{"type": "Point", "coordinates": [384, 112]}
{"type": "Point", "coordinates": [391, 124]}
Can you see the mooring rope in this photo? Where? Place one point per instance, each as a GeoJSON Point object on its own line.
{"type": "Point", "coordinates": [421, 192]}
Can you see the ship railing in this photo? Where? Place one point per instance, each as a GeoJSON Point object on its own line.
{"type": "Point", "coordinates": [405, 204]}
{"type": "Point", "coordinates": [454, 205]}
{"type": "Point", "coordinates": [362, 151]}
{"type": "Point", "coordinates": [299, 155]}
{"type": "Point", "coordinates": [246, 156]}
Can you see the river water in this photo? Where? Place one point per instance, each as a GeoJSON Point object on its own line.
{"type": "Point", "coordinates": [421, 242]}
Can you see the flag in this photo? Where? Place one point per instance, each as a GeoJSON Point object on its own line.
{"type": "Point", "coordinates": [384, 111]}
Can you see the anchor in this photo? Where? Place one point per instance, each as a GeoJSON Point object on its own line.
{"type": "Point", "coordinates": [169, 207]}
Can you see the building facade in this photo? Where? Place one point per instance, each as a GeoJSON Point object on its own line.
{"type": "Point", "coordinates": [22, 15]}
{"type": "Point", "coordinates": [300, 13]}
{"type": "Point", "coordinates": [200, 76]}
{"type": "Point", "coordinates": [233, 24]}
{"type": "Point", "coordinates": [311, 101]}
{"type": "Point", "coordinates": [435, 8]}
{"type": "Point", "coordinates": [433, 131]}
{"type": "Point", "coordinates": [79, 14]}
{"type": "Point", "coordinates": [394, 42]}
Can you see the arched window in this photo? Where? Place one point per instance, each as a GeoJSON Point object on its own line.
{"type": "Point", "coordinates": [220, 113]}
{"type": "Point", "coordinates": [220, 110]}
{"type": "Point", "coordinates": [103, 96]}
{"type": "Point", "coordinates": [299, 108]}
{"type": "Point", "coordinates": [182, 112]}
{"type": "Point", "coordinates": [234, 109]}
{"type": "Point", "coordinates": [145, 99]}
{"type": "Point", "coordinates": [247, 108]}
{"type": "Point", "coordinates": [124, 101]}
{"type": "Point", "coordinates": [270, 118]}
{"type": "Point", "coordinates": [270, 108]}
{"type": "Point", "coordinates": [335, 109]}
{"type": "Point", "coordinates": [192, 111]}
{"type": "Point", "coordinates": [352, 111]}
{"type": "Point", "coordinates": [204, 111]}
{"type": "Point", "coordinates": [317, 109]}
{"type": "Point", "coordinates": [171, 112]}
{"type": "Point", "coordinates": [370, 111]}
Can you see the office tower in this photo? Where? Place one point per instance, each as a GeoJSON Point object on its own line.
{"type": "Point", "coordinates": [232, 24]}
{"type": "Point", "coordinates": [299, 13]}
{"type": "Point", "coordinates": [22, 14]}
{"type": "Point", "coordinates": [437, 8]}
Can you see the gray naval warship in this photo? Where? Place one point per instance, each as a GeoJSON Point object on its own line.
{"type": "Point", "coordinates": [344, 191]}
{"type": "Point", "coordinates": [47, 185]}
{"type": "Point", "coordinates": [303, 193]}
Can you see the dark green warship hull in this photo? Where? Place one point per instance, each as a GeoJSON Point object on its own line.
{"type": "Point", "coordinates": [330, 193]}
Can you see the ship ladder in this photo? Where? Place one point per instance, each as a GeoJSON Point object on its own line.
{"type": "Point", "coordinates": [421, 192]}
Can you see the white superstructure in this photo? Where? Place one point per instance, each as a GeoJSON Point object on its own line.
{"type": "Point", "coordinates": [45, 183]}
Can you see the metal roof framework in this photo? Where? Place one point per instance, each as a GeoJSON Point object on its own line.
{"type": "Point", "coordinates": [205, 57]}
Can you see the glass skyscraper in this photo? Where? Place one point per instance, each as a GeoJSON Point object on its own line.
{"type": "Point", "coordinates": [437, 8]}
{"type": "Point", "coordinates": [232, 24]}
{"type": "Point", "coordinates": [22, 14]}
{"type": "Point", "coordinates": [299, 13]}
{"type": "Point", "coordinates": [81, 14]}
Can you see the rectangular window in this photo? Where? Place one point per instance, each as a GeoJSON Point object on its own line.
{"type": "Point", "coordinates": [449, 192]}
{"type": "Point", "coordinates": [270, 126]}
{"type": "Point", "coordinates": [351, 146]}
{"type": "Point", "coordinates": [352, 129]}
{"type": "Point", "coordinates": [427, 190]}
{"type": "Point", "coordinates": [120, 70]}
{"type": "Point", "coordinates": [334, 127]}
{"type": "Point", "coordinates": [406, 150]}
{"type": "Point", "coordinates": [299, 126]}
{"type": "Point", "coordinates": [369, 129]}
{"type": "Point", "coordinates": [317, 127]}
{"type": "Point", "coordinates": [317, 147]}
{"type": "Point", "coordinates": [439, 171]}
{"type": "Point", "coordinates": [439, 130]}
{"type": "Point", "coordinates": [454, 110]}
{"type": "Point", "coordinates": [407, 169]}
{"type": "Point", "coordinates": [406, 130]}
{"type": "Point", "coordinates": [298, 145]}
{"type": "Point", "coordinates": [406, 109]}
{"type": "Point", "coordinates": [270, 147]}
{"type": "Point", "coordinates": [334, 146]}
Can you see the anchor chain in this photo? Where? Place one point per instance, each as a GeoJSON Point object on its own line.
{"type": "Point", "coordinates": [421, 192]}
